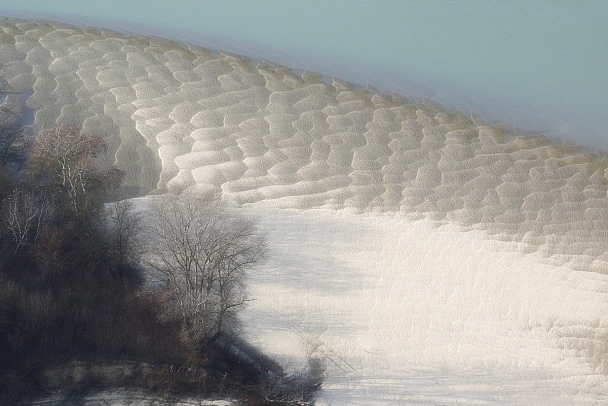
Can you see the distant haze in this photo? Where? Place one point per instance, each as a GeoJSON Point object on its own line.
{"type": "Point", "coordinates": [537, 66]}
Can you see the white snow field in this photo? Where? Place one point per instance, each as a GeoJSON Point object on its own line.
{"type": "Point", "coordinates": [423, 256]}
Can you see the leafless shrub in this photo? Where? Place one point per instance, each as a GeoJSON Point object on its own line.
{"type": "Point", "coordinates": [297, 388]}
{"type": "Point", "coordinates": [47, 250]}
{"type": "Point", "coordinates": [38, 310]}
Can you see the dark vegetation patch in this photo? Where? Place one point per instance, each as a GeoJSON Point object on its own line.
{"type": "Point", "coordinates": [74, 316]}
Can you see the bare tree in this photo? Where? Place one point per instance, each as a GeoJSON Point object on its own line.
{"type": "Point", "coordinates": [124, 227]}
{"type": "Point", "coordinates": [62, 160]}
{"type": "Point", "coordinates": [202, 252]}
{"type": "Point", "coordinates": [23, 217]}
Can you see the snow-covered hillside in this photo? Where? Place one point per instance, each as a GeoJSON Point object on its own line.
{"type": "Point", "coordinates": [408, 312]}
{"type": "Point", "coordinates": [422, 256]}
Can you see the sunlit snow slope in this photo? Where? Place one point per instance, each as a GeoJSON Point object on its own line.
{"type": "Point", "coordinates": [425, 257]}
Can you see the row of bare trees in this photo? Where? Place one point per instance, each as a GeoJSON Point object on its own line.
{"type": "Point", "coordinates": [57, 273]}
{"type": "Point", "coordinates": [200, 249]}
{"type": "Point", "coordinates": [60, 184]}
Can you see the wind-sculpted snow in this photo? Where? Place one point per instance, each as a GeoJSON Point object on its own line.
{"type": "Point", "coordinates": [180, 117]}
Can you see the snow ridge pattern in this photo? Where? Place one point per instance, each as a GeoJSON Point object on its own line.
{"type": "Point", "coordinates": [178, 117]}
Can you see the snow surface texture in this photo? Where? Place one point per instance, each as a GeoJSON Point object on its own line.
{"type": "Point", "coordinates": [124, 398]}
{"type": "Point", "coordinates": [425, 257]}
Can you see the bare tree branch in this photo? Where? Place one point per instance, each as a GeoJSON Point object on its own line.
{"type": "Point", "coordinates": [23, 215]}
{"type": "Point", "coordinates": [62, 159]}
{"type": "Point", "coordinates": [202, 251]}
